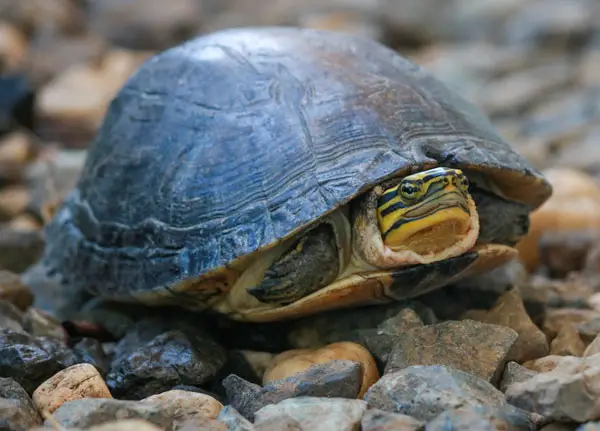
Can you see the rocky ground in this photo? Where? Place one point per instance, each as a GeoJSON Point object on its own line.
{"type": "Point", "coordinates": [476, 356]}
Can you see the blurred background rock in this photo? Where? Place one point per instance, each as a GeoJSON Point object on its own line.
{"type": "Point", "coordinates": [531, 65]}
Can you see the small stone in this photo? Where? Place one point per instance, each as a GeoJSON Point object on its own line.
{"type": "Point", "coordinates": [13, 201]}
{"type": "Point", "coordinates": [467, 345]}
{"type": "Point", "coordinates": [589, 330]}
{"type": "Point", "coordinates": [31, 360]}
{"type": "Point", "coordinates": [563, 252]}
{"type": "Point", "coordinates": [567, 342]}
{"type": "Point", "coordinates": [126, 425]}
{"type": "Point", "coordinates": [590, 426]}
{"type": "Point", "coordinates": [556, 318]}
{"type": "Point", "coordinates": [594, 301]}
{"type": "Point", "coordinates": [317, 413]}
{"type": "Point", "coordinates": [19, 249]}
{"type": "Point", "coordinates": [14, 291]}
{"type": "Point", "coordinates": [481, 418]}
{"type": "Point", "coordinates": [593, 347]}
{"type": "Point", "coordinates": [16, 152]}
{"type": "Point", "coordinates": [42, 324]}
{"type": "Point", "coordinates": [13, 47]}
{"type": "Point", "coordinates": [73, 383]}
{"type": "Point", "coordinates": [17, 411]}
{"type": "Point", "coordinates": [234, 420]}
{"type": "Point", "coordinates": [199, 425]}
{"type": "Point", "coordinates": [89, 350]}
{"type": "Point", "coordinates": [159, 353]}
{"type": "Point", "coordinates": [88, 412]}
{"type": "Point", "coordinates": [510, 311]}
{"type": "Point", "coordinates": [513, 372]}
{"type": "Point", "coordinates": [423, 392]}
{"type": "Point", "coordinates": [378, 420]}
{"type": "Point", "coordinates": [11, 317]}
{"type": "Point", "coordinates": [295, 361]}
{"type": "Point", "coordinates": [279, 423]}
{"type": "Point", "coordinates": [570, 392]}
{"type": "Point", "coordinates": [335, 379]}
{"type": "Point", "coordinates": [258, 361]}
{"type": "Point", "coordinates": [183, 405]}
{"type": "Point", "coordinates": [550, 363]}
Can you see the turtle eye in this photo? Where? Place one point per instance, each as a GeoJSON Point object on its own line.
{"type": "Point", "coordinates": [409, 192]}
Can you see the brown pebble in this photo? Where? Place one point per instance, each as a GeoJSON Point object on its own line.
{"type": "Point", "coordinates": [73, 383]}
{"type": "Point", "coordinates": [556, 318]}
{"type": "Point", "coordinates": [563, 252]}
{"type": "Point", "coordinates": [567, 342]}
{"type": "Point", "coordinates": [13, 201]}
{"type": "Point", "coordinates": [549, 363]}
{"type": "Point", "coordinates": [509, 311]}
{"type": "Point", "coordinates": [184, 405]}
{"type": "Point", "coordinates": [15, 292]}
{"type": "Point", "coordinates": [13, 47]}
{"type": "Point", "coordinates": [294, 361]}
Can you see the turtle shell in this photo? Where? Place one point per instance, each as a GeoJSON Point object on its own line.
{"type": "Point", "coordinates": [225, 144]}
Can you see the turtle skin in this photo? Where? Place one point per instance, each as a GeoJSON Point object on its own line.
{"type": "Point", "coordinates": [228, 143]}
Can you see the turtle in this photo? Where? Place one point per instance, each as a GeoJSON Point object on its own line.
{"type": "Point", "coordinates": [271, 173]}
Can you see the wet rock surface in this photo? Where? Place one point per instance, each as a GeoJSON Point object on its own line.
{"type": "Point", "coordinates": [513, 349]}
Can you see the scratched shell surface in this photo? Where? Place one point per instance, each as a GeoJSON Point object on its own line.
{"type": "Point", "coordinates": [224, 144]}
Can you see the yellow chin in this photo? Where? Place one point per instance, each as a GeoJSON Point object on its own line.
{"type": "Point", "coordinates": [433, 233]}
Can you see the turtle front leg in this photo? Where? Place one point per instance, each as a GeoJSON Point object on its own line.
{"type": "Point", "coordinates": [309, 265]}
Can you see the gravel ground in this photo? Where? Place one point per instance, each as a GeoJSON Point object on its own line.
{"type": "Point", "coordinates": [472, 356]}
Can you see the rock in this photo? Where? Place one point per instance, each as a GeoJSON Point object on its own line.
{"type": "Point", "coordinates": [589, 330]}
{"type": "Point", "coordinates": [11, 317]}
{"type": "Point", "coordinates": [570, 392]}
{"type": "Point", "coordinates": [567, 342]}
{"type": "Point", "coordinates": [423, 392]}
{"type": "Point", "coordinates": [31, 360]}
{"type": "Point", "coordinates": [550, 363]}
{"type": "Point", "coordinates": [13, 201]}
{"type": "Point", "coordinates": [556, 318]}
{"type": "Point", "coordinates": [573, 206]}
{"type": "Point", "coordinates": [89, 350]}
{"type": "Point", "coordinates": [17, 100]}
{"type": "Point", "coordinates": [373, 327]}
{"type": "Point", "coordinates": [19, 249]}
{"type": "Point", "coordinates": [335, 379]}
{"type": "Point", "coordinates": [126, 425]}
{"type": "Point", "coordinates": [73, 383]}
{"type": "Point", "coordinates": [184, 405]}
{"type": "Point", "coordinates": [146, 24]}
{"type": "Point", "coordinates": [13, 47]}
{"type": "Point", "coordinates": [592, 348]}
{"type": "Point", "coordinates": [279, 423]}
{"type": "Point", "coordinates": [513, 372]}
{"type": "Point", "coordinates": [294, 361]}
{"type": "Point", "coordinates": [88, 412]}
{"type": "Point", "coordinates": [14, 291]}
{"type": "Point", "coordinates": [234, 420]}
{"type": "Point", "coordinates": [481, 418]}
{"type": "Point", "coordinates": [316, 413]}
{"type": "Point", "coordinates": [378, 420]}
{"type": "Point", "coordinates": [72, 105]}
{"type": "Point", "coordinates": [509, 311]}
{"type": "Point", "coordinates": [258, 361]}
{"type": "Point", "coordinates": [16, 152]}
{"type": "Point", "coordinates": [42, 324]}
{"type": "Point", "coordinates": [159, 353]}
{"type": "Point", "coordinates": [590, 426]}
{"type": "Point", "coordinates": [199, 424]}
{"type": "Point", "coordinates": [467, 345]}
{"type": "Point", "coordinates": [17, 411]}
{"type": "Point", "coordinates": [563, 252]}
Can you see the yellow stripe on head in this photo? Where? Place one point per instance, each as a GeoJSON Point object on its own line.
{"type": "Point", "coordinates": [425, 209]}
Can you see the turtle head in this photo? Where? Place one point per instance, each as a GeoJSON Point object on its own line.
{"type": "Point", "coordinates": [426, 212]}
